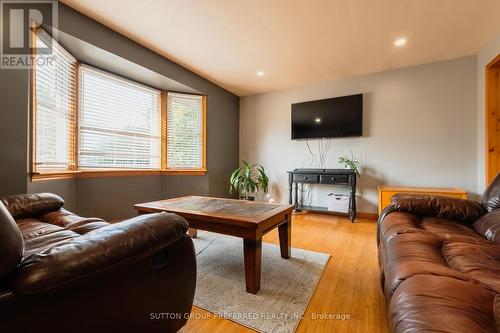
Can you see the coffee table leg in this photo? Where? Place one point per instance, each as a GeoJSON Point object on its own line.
{"type": "Point", "coordinates": [192, 232]}
{"type": "Point", "coordinates": [252, 249]}
{"type": "Point", "coordinates": [285, 235]}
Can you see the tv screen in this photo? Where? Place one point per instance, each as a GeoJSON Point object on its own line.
{"type": "Point", "coordinates": [328, 118]}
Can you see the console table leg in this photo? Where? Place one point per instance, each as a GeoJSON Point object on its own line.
{"type": "Point", "coordinates": [352, 213]}
{"type": "Point", "coordinates": [297, 197]}
{"type": "Point", "coordinates": [252, 249]}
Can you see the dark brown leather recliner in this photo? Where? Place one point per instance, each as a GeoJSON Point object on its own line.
{"type": "Point", "coordinates": [60, 272]}
{"type": "Point", "coordinates": [440, 263]}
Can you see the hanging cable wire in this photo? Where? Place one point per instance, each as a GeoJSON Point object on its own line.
{"type": "Point", "coordinates": [320, 152]}
{"type": "Point", "coordinates": [326, 148]}
{"type": "Point", "coordinates": [313, 158]}
{"type": "Point", "coordinates": [317, 161]}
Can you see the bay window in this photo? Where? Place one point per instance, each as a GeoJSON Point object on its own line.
{"type": "Point", "coordinates": [89, 121]}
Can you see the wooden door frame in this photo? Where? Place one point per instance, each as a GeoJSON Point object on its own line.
{"type": "Point", "coordinates": [491, 68]}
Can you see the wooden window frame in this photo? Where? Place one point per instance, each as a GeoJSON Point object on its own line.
{"type": "Point", "coordinates": [164, 122]}
{"type": "Point", "coordinates": [75, 172]}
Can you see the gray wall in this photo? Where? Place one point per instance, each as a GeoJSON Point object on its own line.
{"type": "Point", "coordinates": [14, 102]}
{"type": "Point", "coordinates": [484, 57]}
{"type": "Point", "coordinates": [66, 188]}
{"type": "Point", "coordinates": [112, 198]}
{"type": "Point", "coordinates": [419, 129]}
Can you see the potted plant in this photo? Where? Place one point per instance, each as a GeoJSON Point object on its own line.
{"type": "Point", "coordinates": [248, 179]}
{"type": "Point", "coordinates": [350, 163]}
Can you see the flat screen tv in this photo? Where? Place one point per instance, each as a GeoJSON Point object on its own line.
{"type": "Point", "coordinates": [328, 118]}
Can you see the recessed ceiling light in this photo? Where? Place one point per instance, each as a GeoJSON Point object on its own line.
{"type": "Point", "coordinates": [399, 42]}
{"type": "Point", "coordinates": [260, 73]}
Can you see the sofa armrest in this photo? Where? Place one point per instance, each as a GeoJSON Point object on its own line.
{"type": "Point", "coordinates": [438, 206]}
{"type": "Point", "coordinates": [22, 206]}
{"type": "Point", "coordinates": [98, 252]}
{"type": "Point", "coordinates": [386, 211]}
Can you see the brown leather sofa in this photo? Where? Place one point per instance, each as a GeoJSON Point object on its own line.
{"type": "Point", "coordinates": [60, 272]}
{"type": "Point", "coordinates": [440, 263]}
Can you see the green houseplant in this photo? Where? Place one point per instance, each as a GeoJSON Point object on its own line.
{"type": "Point", "coordinates": [350, 163]}
{"type": "Point", "coordinates": [248, 179]}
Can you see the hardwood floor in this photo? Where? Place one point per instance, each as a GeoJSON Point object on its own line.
{"type": "Point", "coordinates": [350, 284]}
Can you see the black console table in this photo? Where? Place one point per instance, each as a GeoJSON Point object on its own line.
{"type": "Point", "coordinates": [345, 177]}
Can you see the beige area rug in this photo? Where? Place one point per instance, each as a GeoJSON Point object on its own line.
{"type": "Point", "coordinates": [286, 285]}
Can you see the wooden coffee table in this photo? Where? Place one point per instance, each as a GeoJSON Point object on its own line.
{"type": "Point", "coordinates": [246, 219]}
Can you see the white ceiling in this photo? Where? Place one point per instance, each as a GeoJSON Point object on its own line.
{"type": "Point", "coordinates": [296, 42]}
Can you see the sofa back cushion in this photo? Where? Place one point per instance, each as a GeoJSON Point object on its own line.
{"type": "Point", "coordinates": [31, 205]}
{"type": "Point", "coordinates": [491, 197]}
{"type": "Point", "coordinates": [11, 243]}
{"type": "Point", "coordinates": [424, 205]}
{"type": "Point", "coordinates": [489, 226]}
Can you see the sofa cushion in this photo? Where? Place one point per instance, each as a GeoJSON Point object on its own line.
{"type": "Point", "coordinates": [52, 228]}
{"type": "Point", "coordinates": [399, 223]}
{"type": "Point", "coordinates": [448, 229]}
{"type": "Point", "coordinates": [438, 206]}
{"type": "Point", "coordinates": [44, 242]}
{"type": "Point", "coordinates": [479, 261]}
{"type": "Point", "coordinates": [73, 222]}
{"type": "Point", "coordinates": [32, 205]}
{"type": "Point", "coordinates": [489, 226]}
{"type": "Point", "coordinates": [11, 243]}
{"type": "Point", "coordinates": [427, 303]}
{"type": "Point", "coordinates": [32, 228]}
{"type": "Point", "coordinates": [491, 197]}
{"type": "Point", "coordinates": [411, 254]}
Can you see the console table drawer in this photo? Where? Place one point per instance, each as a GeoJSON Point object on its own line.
{"type": "Point", "coordinates": [305, 178]}
{"type": "Point", "coordinates": [334, 179]}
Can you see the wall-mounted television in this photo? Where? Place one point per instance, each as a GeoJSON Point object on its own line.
{"type": "Point", "coordinates": [328, 118]}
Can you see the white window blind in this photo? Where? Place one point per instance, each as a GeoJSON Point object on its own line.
{"type": "Point", "coordinates": [119, 123]}
{"type": "Point", "coordinates": [54, 109]}
{"type": "Point", "coordinates": [185, 131]}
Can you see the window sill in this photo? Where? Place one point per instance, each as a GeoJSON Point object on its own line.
{"type": "Point", "coordinates": [113, 173]}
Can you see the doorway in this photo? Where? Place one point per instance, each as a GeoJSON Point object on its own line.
{"type": "Point", "coordinates": [492, 119]}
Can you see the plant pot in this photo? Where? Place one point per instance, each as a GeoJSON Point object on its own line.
{"type": "Point", "coordinates": [247, 198]}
